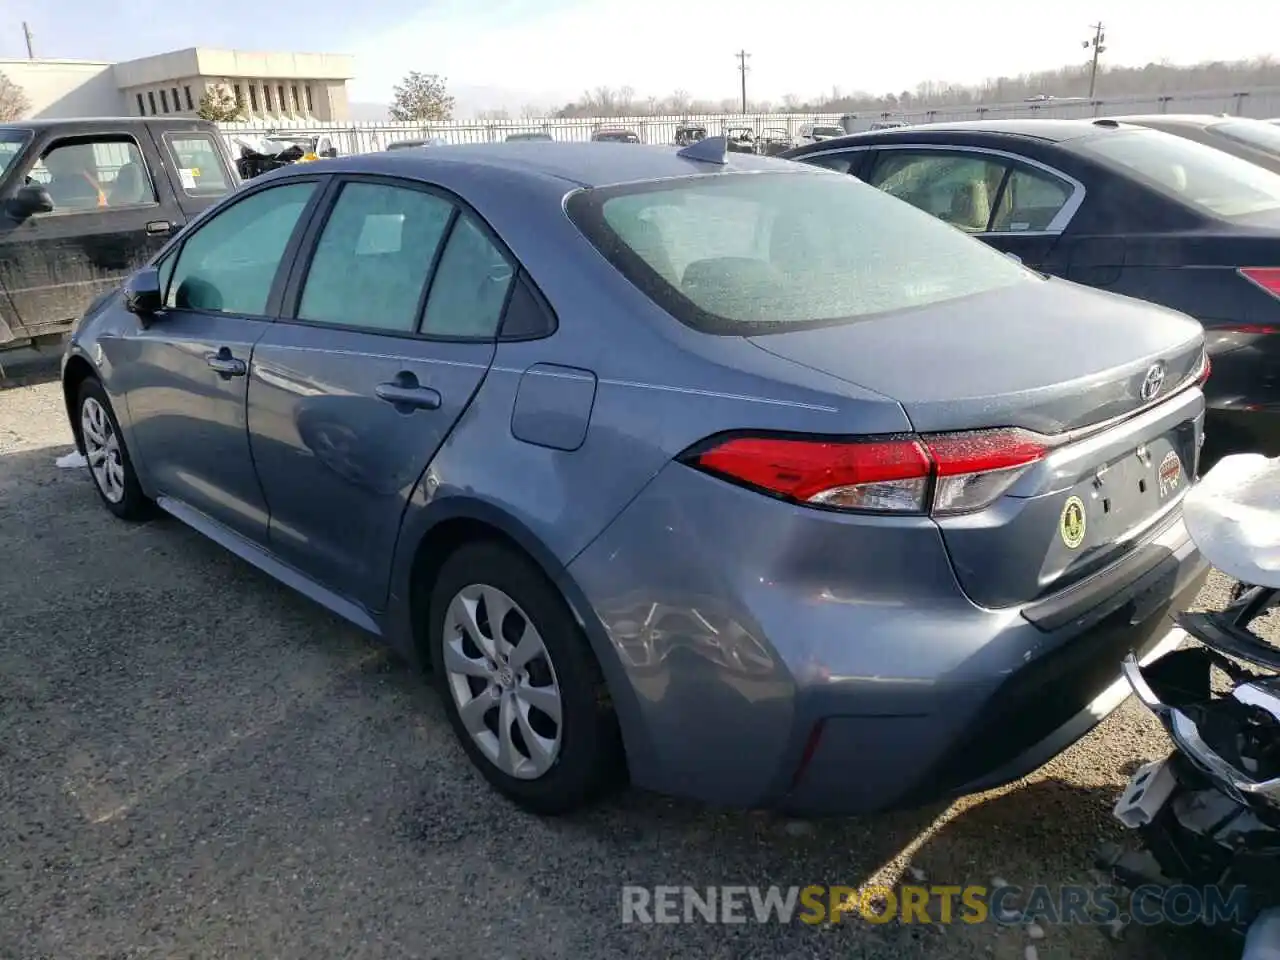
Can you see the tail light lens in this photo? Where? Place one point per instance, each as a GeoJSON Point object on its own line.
{"type": "Point", "coordinates": [1206, 367]}
{"type": "Point", "coordinates": [1268, 278]}
{"type": "Point", "coordinates": [938, 474]}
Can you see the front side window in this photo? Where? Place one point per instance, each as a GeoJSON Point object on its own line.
{"type": "Point", "coordinates": [759, 253]}
{"type": "Point", "coordinates": [957, 188]}
{"type": "Point", "coordinates": [13, 140]}
{"type": "Point", "coordinates": [1205, 178]}
{"type": "Point", "coordinates": [199, 165]}
{"type": "Point", "coordinates": [230, 262]}
{"type": "Point", "coordinates": [374, 258]}
{"type": "Point", "coordinates": [470, 287]}
{"type": "Point", "coordinates": [94, 173]}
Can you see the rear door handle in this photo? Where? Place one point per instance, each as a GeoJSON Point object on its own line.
{"type": "Point", "coordinates": [408, 397]}
{"type": "Point", "coordinates": [158, 228]}
{"type": "Point", "coordinates": [225, 364]}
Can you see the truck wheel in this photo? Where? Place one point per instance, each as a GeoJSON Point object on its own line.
{"type": "Point", "coordinates": [109, 463]}
{"type": "Point", "coordinates": [520, 684]}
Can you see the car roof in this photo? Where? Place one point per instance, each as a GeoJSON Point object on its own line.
{"type": "Point", "coordinates": [585, 164]}
{"type": "Point", "coordinates": [1050, 130]}
{"type": "Point", "coordinates": [1179, 119]}
{"type": "Point", "coordinates": [46, 123]}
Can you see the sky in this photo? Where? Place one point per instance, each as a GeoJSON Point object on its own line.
{"type": "Point", "coordinates": [508, 53]}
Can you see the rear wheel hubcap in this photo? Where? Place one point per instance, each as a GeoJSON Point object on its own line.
{"type": "Point", "coordinates": [502, 681]}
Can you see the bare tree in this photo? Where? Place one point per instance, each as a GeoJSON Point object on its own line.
{"type": "Point", "coordinates": [680, 101]}
{"type": "Point", "coordinates": [626, 95]}
{"type": "Point", "coordinates": [531, 112]}
{"type": "Point", "coordinates": [14, 102]}
{"type": "Point", "coordinates": [493, 116]}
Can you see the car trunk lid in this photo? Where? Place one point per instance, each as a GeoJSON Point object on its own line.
{"type": "Point", "coordinates": [1101, 376]}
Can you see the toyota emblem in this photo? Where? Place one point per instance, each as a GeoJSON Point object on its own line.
{"type": "Point", "coordinates": [1153, 381]}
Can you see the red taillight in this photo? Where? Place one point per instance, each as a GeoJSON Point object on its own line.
{"type": "Point", "coordinates": [945, 473]}
{"type": "Point", "coordinates": [1268, 278]}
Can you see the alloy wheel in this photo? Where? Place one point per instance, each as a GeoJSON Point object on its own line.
{"type": "Point", "coordinates": [102, 450]}
{"type": "Point", "coordinates": [503, 682]}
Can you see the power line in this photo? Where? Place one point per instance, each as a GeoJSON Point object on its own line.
{"type": "Point", "coordinates": [743, 56]}
{"type": "Point", "coordinates": [1098, 48]}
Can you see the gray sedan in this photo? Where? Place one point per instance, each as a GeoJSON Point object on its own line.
{"type": "Point", "coordinates": [729, 474]}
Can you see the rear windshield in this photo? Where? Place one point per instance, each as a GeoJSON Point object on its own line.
{"type": "Point", "coordinates": [1252, 133]}
{"type": "Point", "coordinates": [828, 131]}
{"type": "Point", "coordinates": [756, 253]}
{"type": "Point", "coordinates": [12, 142]}
{"type": "Point", "coordinates": [1202, 177]}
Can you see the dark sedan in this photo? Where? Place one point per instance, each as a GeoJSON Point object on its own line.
{"type": "Point", "coordinates": [1254, 140]}
{"type": "Point", "coordinates": [1116, 206]}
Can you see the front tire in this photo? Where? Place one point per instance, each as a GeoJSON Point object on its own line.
{"type": "Point", "coordinates": [109, 464]}
{"type": "Point", "coordinates": [519, 682]}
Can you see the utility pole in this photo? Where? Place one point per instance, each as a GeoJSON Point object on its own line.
{"type": "Point", "coordinates": [1098, 48]}
{"type": "Point", "coordinates": [743, 56]}
{"type": "Point", "coordinates": [26, 32]}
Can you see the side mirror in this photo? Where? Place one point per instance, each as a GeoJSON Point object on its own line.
{"type": "Point", "coordinates": [142, 294]}
{"type": "Point", "coordinates": [31, 198]}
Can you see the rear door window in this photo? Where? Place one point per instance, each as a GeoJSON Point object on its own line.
{"type": "Point", "coordinates": [839, 162]}
{"type": "Point", "coordinates": [958, 188]}
{"type": "Point", "coordinates": [1030, 201]}
{"type": "Point", "coordinates": [374, 257]}
{"type": "Point", "coordinates": [199, 165]}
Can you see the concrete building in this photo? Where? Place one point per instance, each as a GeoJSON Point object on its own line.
{"type": "Point", "coordinates": [268, 86]}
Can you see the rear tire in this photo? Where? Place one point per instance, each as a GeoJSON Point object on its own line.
{"type": "Point", "coordinates": [109, 464]}
{"type": "Point", "coordinates": [525, 697]}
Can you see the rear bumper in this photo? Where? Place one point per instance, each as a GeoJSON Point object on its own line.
{"type": "Point", "coordinates": [823, 664]}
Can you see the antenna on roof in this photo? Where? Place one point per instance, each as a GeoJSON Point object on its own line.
{"type": "Point", "coordinates": [708, 150]}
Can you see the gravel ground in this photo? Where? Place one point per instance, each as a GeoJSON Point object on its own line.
{"type": "Point", "coordinates": [197, 762]}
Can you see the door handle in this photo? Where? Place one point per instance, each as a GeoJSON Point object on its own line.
{"type": "Point", "coordinates": [413, 397]}
{"type": "Point", "coordinates": [158, 228]}
{"type": "Point", "coordinates": [225, 364]}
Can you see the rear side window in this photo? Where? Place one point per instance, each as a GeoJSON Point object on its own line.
{"type": "Point", "coordinates": [737, 254]}
{"type": "Point", "coordinates": [470, 286]}
{"type": "Point", "coordinates": [229, 263]}
{"type": "Point", "coordinates": [1203, 177]}
{"type": "Point", "coordinates": [199, 165]}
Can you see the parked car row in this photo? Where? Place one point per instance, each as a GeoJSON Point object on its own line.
{"type": "Point", "coordinates": [1178, 211]}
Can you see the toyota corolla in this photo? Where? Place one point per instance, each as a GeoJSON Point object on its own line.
{"type": "Point", "coordinates": [731, 474]}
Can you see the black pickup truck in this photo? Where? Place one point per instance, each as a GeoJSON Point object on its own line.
{"type": "Point", "coordinates": [83, 203]}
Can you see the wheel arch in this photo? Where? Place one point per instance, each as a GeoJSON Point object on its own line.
{"type": "Point", "coordinates": [75, 372]}
{"type": "Point", "coordinates": [446, 525]}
